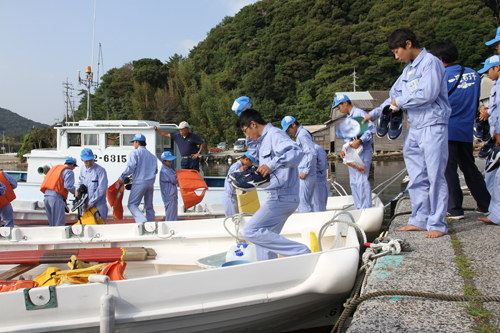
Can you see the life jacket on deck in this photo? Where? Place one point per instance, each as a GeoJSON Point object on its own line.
{"type": "Point", "coordinates": [9, 195]}
{"type": "Point", "coordinates": [114, 194]}
{"type": "Point", "coordinates": [189, 181]}
{"type": "Point", "coordinates": [53, 181]}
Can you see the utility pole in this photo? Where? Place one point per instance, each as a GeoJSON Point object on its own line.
{"type": "Point", "coordinates": [67, 99]}
{"type": "Point", "coordinates": [354, 79]}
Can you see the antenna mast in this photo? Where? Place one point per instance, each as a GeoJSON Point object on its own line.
{"type": "Point", "coordinates": [354, 79]}
{"type": "Point", "coordinates": [69, 105]}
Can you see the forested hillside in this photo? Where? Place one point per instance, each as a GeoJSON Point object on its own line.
{"type": "Point", "coordinates": [12, 123]}
{"type": "Point", "coordinates": [289, 57]}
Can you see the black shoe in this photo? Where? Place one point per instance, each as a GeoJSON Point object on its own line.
{"type": "Point", "coordinates": [128, 183]}
{"type": "Point", "coordinates": [79, 201]}
{"type": "Point", "coordinates": [494, 159]}
{"type": "Point", "coordinates": [478, 129]}
{"type": "Point", "coordinates": [396, 125]}
{"type": "Point", "coordinates": [383, 122]}
{"type": "Point", "coordinates": [485, 150]}
{"type": "Point", "coordinates": [247, 171]}
{"type": "Point", "coordinates": [486, 132]}
{"type": "Point", "coordinates": [251, 181]}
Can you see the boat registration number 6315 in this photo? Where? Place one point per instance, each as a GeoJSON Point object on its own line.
{"type": "Point", "coordinates": [112, 158]}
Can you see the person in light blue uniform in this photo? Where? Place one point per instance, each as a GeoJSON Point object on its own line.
{"type": "Point", "coordinates": [463, 94]}
{"type": "Point", "coordinates": [55, 203]}
{"type": "Point", "coordinates": [143, 167]}
{"type": "Point", "coordinates": [6, 211]}
{"type": "Point", "coordinates": [320, 193]}
{"type": "Point", "coordinates": [307, 166]}
{"type": "Point", "coordinates": [168, 186]}
{"type": "Point", "coordinates": [240, 105]}
{"type": "Point", "coordinates": [229, 199]}
{"type": "Point", "coordinates": [492, 69]}
{"type": "Point", "coordinates": [279, 157]}
{"type": "Point", "coordinates": [360, 185]}
{"type": "Point", "coordinates": [422, 90]}
{"type": "Point", "coordinates": [95, 178]}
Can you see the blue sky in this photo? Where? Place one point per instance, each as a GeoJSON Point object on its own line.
{"type": "Point", "coordinates": [43, 43]}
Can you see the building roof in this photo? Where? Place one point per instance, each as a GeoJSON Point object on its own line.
{"type": "Point", "coordinates": [314, 128]}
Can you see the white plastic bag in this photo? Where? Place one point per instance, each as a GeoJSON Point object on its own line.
{"type": "Point", "coordinates": [352, 159]}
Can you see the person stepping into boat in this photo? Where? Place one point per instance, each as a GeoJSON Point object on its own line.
{"type": "Point", "coordinates": [464, 87]}
{"type": "Point", "coordinates": [279, 155]}
{"type": "Point", "coordinates": [229, 199]}
{"type": "Point", "coordinates": [307, 166]}
{"type": "Point", "coordinates": [143, 166]}
{"type": "Point", "coordinates": [95, 178]}
{"type": "Point", "coordinates": [188, 145]}
{"type": "Point", "coordinates": [7, 197]}
{"type": "Point", "coordinates": [58, 182]}
{"type": "Point", "coordinates": [422, 90]}
{"type": "Point", "coordinates": [168, 186]}
{"type": "Point", "coordinates": [360, 185]}
{"type": "Point", "coordinates": [492, 69]}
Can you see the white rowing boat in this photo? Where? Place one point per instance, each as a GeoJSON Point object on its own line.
{"type": "Point", "coordinates": [182, 289]}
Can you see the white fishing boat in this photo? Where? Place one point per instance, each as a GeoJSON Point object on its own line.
{"type": "Point", "coordinates": [184, 289]}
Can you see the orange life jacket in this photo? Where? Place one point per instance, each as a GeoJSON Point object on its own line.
{"type": "Point", "coordinates": [114, 194]}
{"type": "Point", "coordinates": [189, 181]}
{"type": "Point", "coordinates": [9, 195]}
{"type": "Point", "coordinates": [53, 181]}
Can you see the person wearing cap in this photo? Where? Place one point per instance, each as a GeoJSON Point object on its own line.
{"type": "Point", "coordinates": [320, 192]}
{"type": "Point", "coordinates": [279, 155]}
{"type": "Point", "coordinates": [143, 166]}
{"type": "Point", "coordinates": [487, 83]}
{"type": "Point", "coordinates": [463, 95]}
{"type": "Point", "coordinates": [422, 90]}
{"type": "Point", "coordinates": [229, 199]}
{"type": "Point", "coordinates": [360, 185]}
{"type": "Point", "coordinates": [307, 166]}
{"type": "Point", "coordinates": [95, 178]}
{"type": "Point", "coordinates": [190, 145]}
{"type": "Point", "coordinates": [58, 182]}
{"type": "Point", "coordinates": [240, 105]}
{"type": "Point", "coordinates": [7, 196]}
{"type": "Point", "coordinates": [492, 69]}
{"type": "Point", "coordinates": [168, 186]}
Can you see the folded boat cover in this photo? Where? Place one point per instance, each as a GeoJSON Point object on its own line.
{"type": "Point", "coordinates": [114, 194]}
{"type": "Point", "coordinates": [189, 181]}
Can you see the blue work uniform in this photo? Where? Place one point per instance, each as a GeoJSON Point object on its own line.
{"type": "Point", "coordinates": [282, 155]}
{"type": "Point", "coordinates": [360, 185]}
{"type": "Point", "coordinates": [493, 177]}
{"type": "Point", "coordinates": [96, 180]}
{"type": "Point", "coordinates": [188, 146]}
{"type": "Point", "coordinates": [6, 211]}
{"type": "Point", "coordinates": [143, 166]}
{"type": "Point", "coordinates": [464, 103]}
{"type": "Point", "coordinates": [320, 193]}
{"type": "Point", "coordinates": [168, 186]}
{"type": "Point", "coordinates": [55, 204]}
{"type": "Point", "coordinates": [229, 199]}
{"type": "Point", "coordinates": [308, 166]}
{"type": "Point", "coordinates": [423, 91]}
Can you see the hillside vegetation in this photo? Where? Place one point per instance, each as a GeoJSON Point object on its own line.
{"type": "Point", "coordinates": [289, 57]}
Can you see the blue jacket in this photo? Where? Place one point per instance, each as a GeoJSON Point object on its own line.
{"type": "Point", "coordinates": [281, 155]}
{"type": "Point", "coordinates": [367, 136]}
{"type": "Point", "coordinates": [308, 163]}
{"type": "Point", "coordinates": [168, 184]}
{"type": "Point", "coordinates": [142, 165]}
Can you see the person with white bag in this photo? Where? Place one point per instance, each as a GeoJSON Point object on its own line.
{"type": "Point", "coordinates": [361, 138]}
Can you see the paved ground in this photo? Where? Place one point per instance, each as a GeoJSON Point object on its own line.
{"type": "Point", "coordinates": [430, 267]}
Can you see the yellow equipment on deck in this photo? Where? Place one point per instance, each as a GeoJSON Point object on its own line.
{"type": "Point", "coordinates": [248, 202]}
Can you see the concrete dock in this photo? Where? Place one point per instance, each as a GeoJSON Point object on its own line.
{"type": "Point", "coordinates": [464, 262]}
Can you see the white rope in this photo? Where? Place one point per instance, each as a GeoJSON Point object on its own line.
{"type": "Point", "coordinates": [360, 232]}
{"type": "Point", "coordinates": [237, 221]}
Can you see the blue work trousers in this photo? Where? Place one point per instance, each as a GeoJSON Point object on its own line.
{"type": "Point", "coordinates": [425, 152]}
{"type": "Point", "coordinates": [55, 209]}
{"type": "Point", "coordinates": [306, 190]}
{"type": "Point", "coordinates": [264, 228]}
{"type": "Point", "coordinates": [360, 185]}
{"type": "Point", "coordinates": [139, 191]}
{"type": "Point", "coordinates": [320, 195]}
{"type": "Point", "coordinates": [230, 203]}
{"type": "Point", "coordinates": [7, 214]}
